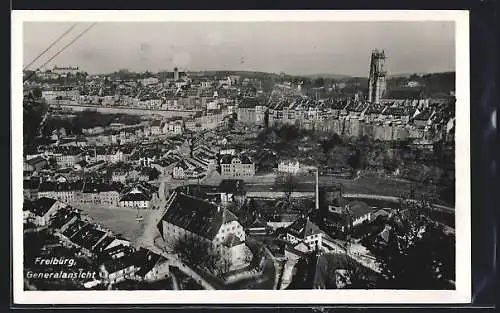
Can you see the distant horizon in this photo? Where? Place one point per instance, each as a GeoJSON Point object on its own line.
{"type": "Point", "coordinates": [296, 48]}
{"type": "Point", "coordinates": [340, 76]}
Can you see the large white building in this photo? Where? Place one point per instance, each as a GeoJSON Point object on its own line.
{"type": "Point", "coordinates": [236, 166]}
{"type": "Point", "coordinates": [206, 222]}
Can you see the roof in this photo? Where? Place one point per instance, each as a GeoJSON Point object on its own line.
{"type": "Point", "coordinates": [113, 266]}
{"type": "Point", "coordinates": [42, 206]}
{"type": "Point", "coordinates": [227, 159]}
{"type": "Point", "coordinates": [359, 208]}
{"type": "Point", "coordinates": [54, 186]}
{"type": "Point", "coordinates": [31, 183]}
{"type": "Point", "coordinates": [156, 123]}
{"type": "Point", "coordinates": [303, 227]}
{"type": "Point", "coordinates": [104, 243]}
{"type": "Point", "coordinates": [132, 196]}
{"type": "Point", "coordinates": [232, 240]}
{"type": "Point", "coordinates": [88, 237]}
{"type": "Point", "coordinates": [146, 260]}
{"type": "Point", "coordinates": [196, 215]}
{"type": "Point", "coordinates": [62, 217]}
{"type": "Point", "coordinates": [182, 164]}
{"type": "Point", "coordinates": [36, 160]}
{"type": "Point", "coordinates": [90, 187]}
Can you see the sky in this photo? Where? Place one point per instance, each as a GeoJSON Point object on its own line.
{"type": "Point", "coordinates": [297, 48]}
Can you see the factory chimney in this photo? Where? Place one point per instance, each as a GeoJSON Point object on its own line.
{"type": "Point", "coordinates": [317, 189]}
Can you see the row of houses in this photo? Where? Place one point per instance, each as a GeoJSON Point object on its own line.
{"type": "Point", "coordinates": [81, 192]}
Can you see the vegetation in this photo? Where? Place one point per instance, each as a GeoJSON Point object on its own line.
{"type": "Point", "coordinates": [87, 119]}
{"type": "Point", "coordinates": [34, 109]}
{"type": "Point", "coordinates": [286, 183]}
{"type": "Point", "coordinates": [202, 254]}
{"type": "Point", "coordinates": [430, 168]}
{"type": "Point", "coordinates": [412, 258]}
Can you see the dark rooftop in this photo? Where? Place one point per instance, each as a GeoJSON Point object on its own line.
{"type": "Point", "coordinates": [196, 215]}
{"type": "Point", "coordinates": [42, 206]}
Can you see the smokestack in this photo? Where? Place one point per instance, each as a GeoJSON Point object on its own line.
{"type": "Point", "coordinates": [317, 189]}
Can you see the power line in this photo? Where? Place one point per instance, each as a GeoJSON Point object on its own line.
{"type": "Point", "coordinates": [63, 48]}
{"type": "Point", "coordinates": [50, 46]}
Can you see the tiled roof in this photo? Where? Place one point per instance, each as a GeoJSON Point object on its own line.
{"type": "Point", "coordinates": [43, 205]}
{"type": "Point", "coordinates": [196, 215]}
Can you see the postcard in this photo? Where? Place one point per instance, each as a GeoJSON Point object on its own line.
{"type": "Point", "coordinates": [240, 157]}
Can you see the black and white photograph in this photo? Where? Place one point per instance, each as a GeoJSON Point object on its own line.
{"type": "Point", "coordinates": [191, 155]}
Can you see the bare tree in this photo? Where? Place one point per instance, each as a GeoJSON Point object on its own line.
{"type": "Point", "coordinates": [287, 183]}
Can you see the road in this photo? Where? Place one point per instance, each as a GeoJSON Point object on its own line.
{"type": "Point", "coordinates": [122, 109]}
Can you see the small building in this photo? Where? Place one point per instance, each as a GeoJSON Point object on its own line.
{"type": "Point", "coordinates": [138, 196]}
{"type": "Point", "coordinates": [289, 167]}
{"type": "Point", "coordinates": [43, 209]}
{"type": "Point", "coordinates": [305, 231]}
{"type": "Point", "coordinates": [359, 212]}
{"type": "Point", "coordinates": [35, 164]}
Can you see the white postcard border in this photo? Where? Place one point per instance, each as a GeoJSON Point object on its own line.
{"type": "Point", "coordinates": [462, 294]}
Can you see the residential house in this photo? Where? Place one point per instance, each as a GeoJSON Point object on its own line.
{"type": "Point", "coordinates": [232, 190]}
{"type": "Point", "coordinates": [30, 188]}
{"type": "Point", "coordinates": [289, 167]}
{"type": "Point", "coordinates": [359, 212]}
{"type": "Point", "coordinates": [69, 156]}
{"type": "Point", "coordinates": [138, 196]}
{"type": "Point", "coordinates": [119, 175]}
{"type": "Point", "coordinates": [303, 230]}
{"type": "Point", "coordinates": [43, 209]}
{"type": "Point", "coordinates": [156, 127]}
{"type": "Point", "coordinates": [100, 193]}
{"type": "Point", "coordinates": [236, 166]}
{"type": "Point", "coordinates": [64, 192]}
{"type": "Point", "coordinates": [114, 271]}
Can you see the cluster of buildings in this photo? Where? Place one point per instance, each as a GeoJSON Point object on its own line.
{"type": "Point", "coordinates": [174, 91]}
{"type": "Point", "coordinates": [114, 258]}
{"type": "Point", "coordinates": [112, 194]}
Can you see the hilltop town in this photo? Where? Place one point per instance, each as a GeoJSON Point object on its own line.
{"type": "Point", "coordinates": [239, 180]}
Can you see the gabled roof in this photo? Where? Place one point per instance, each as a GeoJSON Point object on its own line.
{"type": "Point", "coordinates": [42, 206]}
{"type": "Point", "coordinates": [146, 260]}
{"type": "Point", "coordinates": [303, 227]}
